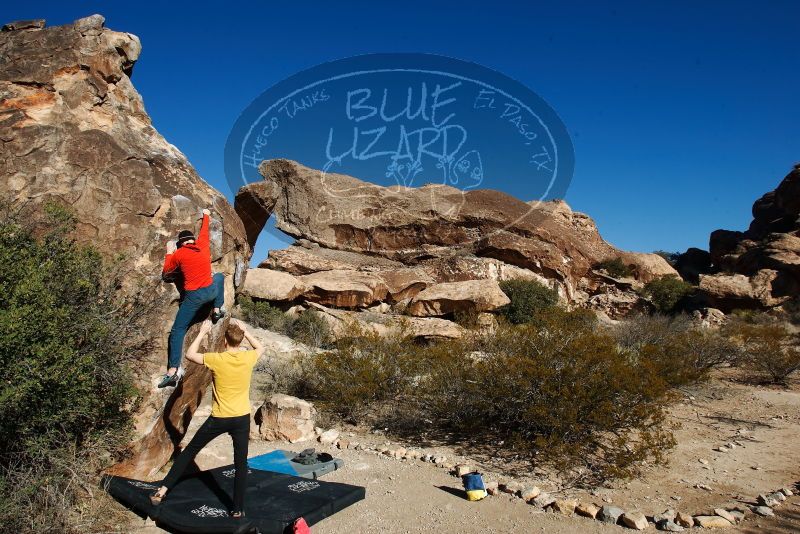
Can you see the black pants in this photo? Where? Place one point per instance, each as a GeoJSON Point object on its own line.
{"type": "Point", "coordinates": [239, 430]}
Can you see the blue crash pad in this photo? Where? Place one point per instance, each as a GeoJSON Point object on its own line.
{"type": "Point", "coordinates": [280, 461]}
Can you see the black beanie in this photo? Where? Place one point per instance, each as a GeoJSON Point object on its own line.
{"type": "Point", "coordinates": [184, 235]}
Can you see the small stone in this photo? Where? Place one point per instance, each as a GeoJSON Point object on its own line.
{"type": "Point", "coordinates": [463, 469]}
{"type": "Point", "coordinates": [684, 520]}
{"type": "Point", "coordinates": [668, 525]}
{"type": "Point", "coordinates": [666, 515]}
{"type": "Point", "coordinates": [492, 488]}
{"type": "Point", "coordinates": [529, 493]}
{"type": "Point", "coordinates": [587, 510]}
{"type": "Point", "coordinates": [737, 515]}
{"type": "Point", "coordinates": [778, 495]}
{"type": "Point", "coordinates": [768, 500]}
{"type": "Point", "coordinates": [722, 512]}
{"type": "Point", "coordinates": [512, 487]}
{"type": "Point", "coordinates": [329, 437]}
{"type": "Point", "coordinates": [399, 453]}
{"type": "Point", "coordinates": [787, 492]}
{"type": "Point", "coordinates": [703, 487]}
{"type": "Point", "coordinates": [414, 454]}
{"type": "Point", "coordinates": [764, 511]}
{"type": "Point", "coordinates": [343, 444]}
{"type": "Point", "coordinates": [610, 514]}
{"type": "Point", "coordinates": [635, 520]}
{"type": "Point", "coordinates": [439, 460]}
{"type": "Point", "coordinates": [722, 448]}
{"type": "Point", "coordinates": [703, 461]}
{"type": "Point", "coordinates": [711, 521]}
{"type": "Point", "coordinates": [564, 506]}
{"type": "Point", "coordinates": [543, 500]}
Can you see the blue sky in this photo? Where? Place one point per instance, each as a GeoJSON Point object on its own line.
{"type": "Point", "coordinates": [681, 113]}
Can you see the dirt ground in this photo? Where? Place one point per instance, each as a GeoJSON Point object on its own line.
{"type": "Point", "coordinates": [409, 496]}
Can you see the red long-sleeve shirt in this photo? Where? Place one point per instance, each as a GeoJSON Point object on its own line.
{"type": "Point", "coordinates": [192, 260]}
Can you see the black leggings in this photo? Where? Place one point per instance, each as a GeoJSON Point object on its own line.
{"type": "Point", "coordinates": [239, 430]}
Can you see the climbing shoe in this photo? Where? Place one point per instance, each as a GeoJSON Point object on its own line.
{"type": "Point", "coordinates": [171, 380]}
{"type": "Point", "coordinates": [216, 316]}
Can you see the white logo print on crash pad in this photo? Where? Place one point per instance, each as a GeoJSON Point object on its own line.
{"type": "Point", "coordinates": [300, 487]}
{"type": "Point", "coordinates": [208, 511]}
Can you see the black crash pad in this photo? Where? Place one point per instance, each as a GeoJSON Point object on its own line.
{"type": "Point", "coordinates": [200, 502]}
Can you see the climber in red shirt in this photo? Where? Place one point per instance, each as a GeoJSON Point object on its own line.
{"type": "Point", "coordinates": [188, 265]}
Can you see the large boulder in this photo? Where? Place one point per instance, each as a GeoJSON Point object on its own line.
{"type": "Point", "coordinates": [342, 323]}
{"type": "Point", "coordinates": [75, 131]}
{"type": "Point", "coordinates": [344, 288]}
{"type": "Point", "coordinates": [286, 418]}
{"type": "Point", "coordinates": [760, 267]}
{"type": "Point", "coordinates": [267, 284]}
{"type": "Point", "coordinates": [450, 297]}
{"type": "Point", "coordinates": [427, 226]}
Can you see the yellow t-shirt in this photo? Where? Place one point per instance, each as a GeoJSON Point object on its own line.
{"type": "Point", "coordinates": [231, 384]}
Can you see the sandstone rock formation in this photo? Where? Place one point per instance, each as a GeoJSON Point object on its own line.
{"type": "Point", "coordinates": [434, 234]}
{"type": "Point", "coordinates": [286, 418]}
{"type": "Point", "coordinates": [451, 297]}
{"type": "Point", "coordinates": [268, 284]}
{"type": "Point", "coordinates": [758, 268]}
{"type": "Point", "coordinates": [75, 130]}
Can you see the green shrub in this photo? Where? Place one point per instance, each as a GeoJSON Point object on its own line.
{"type": "Point", "coordinates": [665, 292]}
{"type": "Point", "coordinates": [262, 314]}
{"type": "Point", "coordinates": [559, 390]}
{"type": "Point", "coordinates": [308, 327]}
{"type": "Point", "coordinates": [615, 267]}
{"type": "Point", "coordinates": [680, 352]}
{"type": "Point", "coordinates": [528, 297]}
{"type": "Point", "coordinates": [67, 339]}
{"type": "Point", "coordinates": [767, 347]}
{"type": "Point", "coordinates": [555, 389]}
{"type": "Point", "coordinates": [364, 369]}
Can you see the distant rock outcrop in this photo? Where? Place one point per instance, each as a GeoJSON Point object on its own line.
{"type": "Point", "coordinates": [760, 267]}
{"type": "Point", "coordinates": [412, 238]}
{"type": "Point", "coordinates": [74, 129]}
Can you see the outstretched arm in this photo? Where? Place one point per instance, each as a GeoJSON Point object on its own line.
{"type": "Point", "coordinates": [202, 236]}
{"type": "Point", "coordinates": [191, 354]}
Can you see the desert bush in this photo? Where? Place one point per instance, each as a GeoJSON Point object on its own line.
{"type": "Point", "coordinates": [680, 351]}
{"type": "Point", "coordinates": [767, 347]}
{"type": "Point", "coordinates": [67, 337]}
{"type": "Point", "coordinates": [363, 369]}
{"type": "Point", "coordinates": [615, 267]}
{"type": "Point", "coordinates": [308, 328]}
{"type": "Point", "coordinates": [262, 314]}
{"type": "Point", "coordinates": [558, 389]}
{"type": "Point", "coordinates": [528, 297]}
{"type": "Point", "coordinates": [665, 292]}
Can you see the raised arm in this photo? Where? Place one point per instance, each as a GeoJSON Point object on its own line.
{"type": "Point", "coordinates": [191, 353]}
{"type": "Point", "coordinates": [257, 346]}
{"type": "Point", "coordinates": [202, 236]}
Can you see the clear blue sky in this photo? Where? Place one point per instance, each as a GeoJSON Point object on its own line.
{"type": "Point", "coordinates": [681, 113]}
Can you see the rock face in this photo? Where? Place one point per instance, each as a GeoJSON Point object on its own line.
{"type": "Point", "coordinates": [470, 295]}
{"type": "Point", "coordinates": [438, 233]}
{"type": "Point", "coordinates": [268, 284]}
{"type": "Point", "coordinates": [75, 130]}
{"type": "Point", "coordinates": [285, 418]}
{"type": "Point", "coordinates": [758, 268]}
